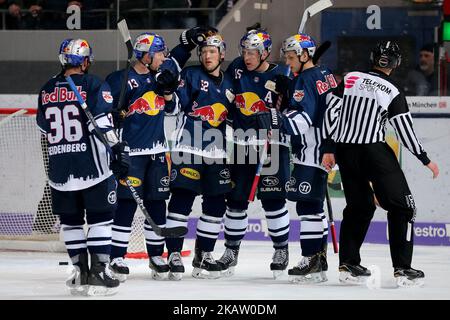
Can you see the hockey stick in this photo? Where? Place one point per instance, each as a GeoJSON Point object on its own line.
{"type": "Point", "coordinates": [269, 85]}
{"type": "Point", "coordinates": [162, 232]}
{"type": "Point", "coordinates": [313, 10]}
{"type": "Point", "coordinates": [123, 28]}
{"type": "Point", "coordinates": [331, 219]}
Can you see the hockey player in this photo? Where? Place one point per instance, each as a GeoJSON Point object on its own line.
{"type": "Point", "coordinates": [199, 167]}
{"type": "Point", "coordinates": [250, 72]}
{"type": "Point", "coordinates": [364, 157]}
{"type": "Point", "coordinates": [82, 184]}
{"type": "Point", "coordinates": [303, 122]}
{"type": "Point", "coordinates": [149, 96]}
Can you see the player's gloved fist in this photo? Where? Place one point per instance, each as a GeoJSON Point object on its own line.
{"type": "Point", "coordinates": [121, 159]}
{"type": "Point", "coordinates": [282, 84]}
{"type": "Point", "coordinates": [193, 37]}
{"type": "Point", "coordinates": [269, 120]}
{"type": "Point", "coordinates": [166, 82]}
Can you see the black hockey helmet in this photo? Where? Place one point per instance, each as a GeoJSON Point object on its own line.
{"type": "Point", "coordinates": [386, 54]}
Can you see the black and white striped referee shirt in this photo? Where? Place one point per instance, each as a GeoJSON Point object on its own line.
{"type": "Point", "coordinates": [357, 112]}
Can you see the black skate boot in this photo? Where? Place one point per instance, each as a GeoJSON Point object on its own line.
{"type": "Point", "coordinates": [308, 270]}
{"type": "Point", "coordinates": [205, 267]}
{"type": "Point", "coordinates": [280, 261]}
{"type": "Point", "coordinates": [228, 261]}
{"type": "Point", "coordinates": [407, 278]}
{"type": "Point", "coordinates": [78, 280]}
{"type": "Point", "coordinates": [119, 269]}
{"type": "Point", "coordinates": [353, 274]}
{"type": "Point", "coordinates": [101, 280]}
{"type": "Point", "coordinates": [159, 267]}
{"type": "Point", "coordinates": [176, 267]}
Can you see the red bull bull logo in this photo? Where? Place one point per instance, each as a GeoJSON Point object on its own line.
{"type": "Point", "coordinates": [84, 44]}
{"type": "Point", "coordinates": [249, 103]}
{"type": "Point", "coordinates": [150, 103]}
{"type": "Point", "coordinates": [214, 114]}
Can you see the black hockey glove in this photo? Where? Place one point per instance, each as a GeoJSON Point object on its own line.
{"type": "Point", "coordinates": [121, 159]}
{"type": "Point", "coordinates": [166, 82]}
{"type": "Point", "coordinates": [193, 37]}
{"type": "Point", "coordinates": [282, 84]}
{"type": "Point", "coordinates": [269, 120]}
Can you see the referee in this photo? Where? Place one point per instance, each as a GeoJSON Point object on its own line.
{"type": "Point", "coordinates": [354, 128]}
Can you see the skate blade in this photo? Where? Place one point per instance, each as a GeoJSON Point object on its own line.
{"type": "Point", "coordinates": [308, 279]}
{"type": "Point", "coordinates": [227, 273]}
{"type": "Point", "coordinates": [175, 276]}
{"type": "Point", "coordinates": [347, 278]}
{"type": "Point", "coordinates": [159, 276]}
{"type": "Point", "coordinates": [122, 277]}
{"type": "Point", "coordinates": [277, 273]}
{"type": "Point", "coordinates": [79, 290]}
{"type": "Point", "coordinates": [203, 274]}
{"type": "Point", "coordinates": [324, 277]}
{"type": "Point", "coordinates": [404, 282]}
{"type": "Point", "coordinates": [94, 291]}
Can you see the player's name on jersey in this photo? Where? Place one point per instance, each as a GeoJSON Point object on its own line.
{"type": "Point", "coordinates": [66, 148]}
{"type": "Point", "coordinates": [61, 95]}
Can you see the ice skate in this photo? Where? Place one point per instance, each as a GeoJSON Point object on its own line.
{"type": "Point", "coordinates": [101, 280]}
{"type": "Point", "coordinates": [176, 267]}
{"type": "Point", "coordinates": [308, 270]}
{"type": "Point", "coordinates": [409, 278]}
{"type": "Point", "coordinates": [351, 274]}
{"type": "Point", "coordinates": [159, 268]}
{"type": "Point", "coordinates": [119, 269]}
{"type": "Point", "coordinates": [205, 267]}
{"type": "Point", "coordinates": [78, 280]}
{"type": "Point", "coordinates": [280, 261]}
{"type": "Point", "coordinates": [228, 261]}
{"type": "Point", "coordinates": [324, 265]}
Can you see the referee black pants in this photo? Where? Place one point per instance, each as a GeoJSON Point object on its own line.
{"type": "Point", "coordinates": [365, 170]}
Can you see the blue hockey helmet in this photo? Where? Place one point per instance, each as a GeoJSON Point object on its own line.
{"type": "Point", "coordinates": [148, 43]}
{"type": "Point", "coordinates": [256, 39]}
{"type": "Point", "coordinates": [62, 49]}
{"type": "Point", "coordinates": [298, 43]}
{"type": "Point", "coordinates": [73, 52]}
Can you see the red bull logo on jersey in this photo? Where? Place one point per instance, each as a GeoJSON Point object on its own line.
{"type": "Point", "coordinates": [324, 86]}
{"type": "Point", "coordinates": [150, 103]}
{"type": "Point", "coordinates": [61, 95]}
{"type": "Point", "coordinates": [249, 103]}
{"type": "Point", "coordinates": [214, 114]}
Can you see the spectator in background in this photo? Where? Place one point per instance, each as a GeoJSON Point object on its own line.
{"type": "Point", "coordinates": [423, 80]}
{"type": "Point", "coordinates": [24, 14]}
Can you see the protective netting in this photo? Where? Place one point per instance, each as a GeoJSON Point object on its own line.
{"type": "Point", "coordinates": [25, 199]}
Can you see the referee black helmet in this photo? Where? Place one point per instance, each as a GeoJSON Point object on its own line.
{"type": "Point", "coordinates": [386, 54]}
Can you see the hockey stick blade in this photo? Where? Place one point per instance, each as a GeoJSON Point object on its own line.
{"type": "Point", "coordinates": [320, 51]}
{"type": "Point", "coordinates": [330, 217]}
{"type": "Point", "coordinates": [313, 10]}
{"type": "Point", "coordinates": [123, 28]}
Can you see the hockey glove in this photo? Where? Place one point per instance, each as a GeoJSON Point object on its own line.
{"type": "Point", "coordinates": [121, 159]}
{"type": "Point", "coordinates": [282, 84]}
{"type": "Point", "coordinates": [195, 36]}
{"type": "Point", "coordinates": [166, 82]}
{"type": "Point", "coordinates": [269, 120]}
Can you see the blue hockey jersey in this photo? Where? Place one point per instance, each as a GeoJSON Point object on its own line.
{"type": "Point", "coordinates": [252, 97]}
{"type": "Point", "coordinates": [77, 158]}
{"type": "Point", "coordinates": [206, 103]}
{"type": "Point", "coordinates": [304, 117]}
{"type": "Point", "coordinates": [143, 127]}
